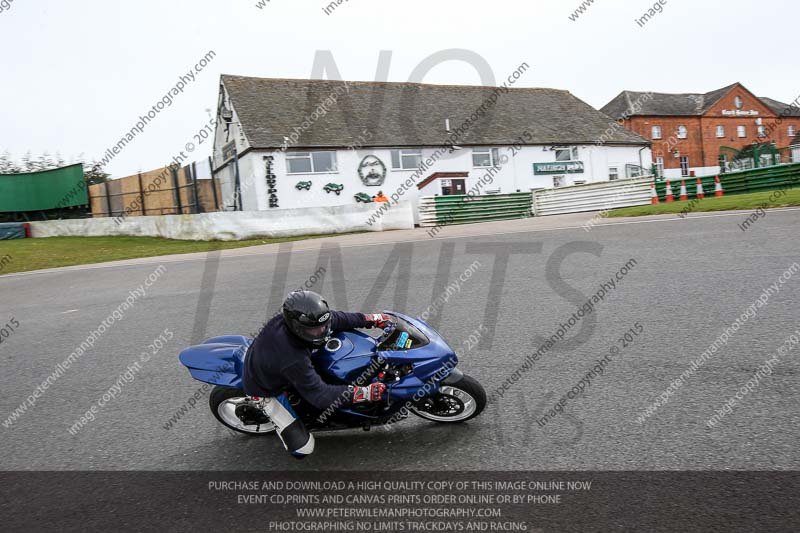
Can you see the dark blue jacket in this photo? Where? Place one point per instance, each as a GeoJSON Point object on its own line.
{"type": "Point", "coordinates": [278, 360]}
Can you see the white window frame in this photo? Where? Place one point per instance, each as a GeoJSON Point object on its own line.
{"type": "Point", "coordinates": [684, 166]}
{"type": "Point", "coordinates": [720, 131]}
{"type": "Point", "coordinates": [398, 156]}
{"type": "Point", "coordinates": [761, 130]}
{"type": "Point", "coordinates": [792, 131]}
{"type": "Point", "coordinates": [293, 156]}
{"type": "Point", "coordinates": [655, 132]}
{"type": "Point", "coordinates": [738, 102]}
{"type": "Point", "coordinates": [682, 132]}
{"type": "Point", "coordinates": [613, 171]}
{"type": "Point", "coordinates": [741, 132]}
{"type": "Point", "coordinates": [493, 153]}
{"type": "Point", "coordinates": [573, 153]}
{"type": "Point", "coordinates": [633, 171]}
{"type": "Point", "coordinates": [660, 165]}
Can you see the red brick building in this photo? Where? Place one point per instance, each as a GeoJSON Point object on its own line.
{"type": "Point", "coordinates": [700, 132]}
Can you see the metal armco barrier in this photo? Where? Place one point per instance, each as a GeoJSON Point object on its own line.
{"type": "Point", "coordinates": [746, 181]}
{"type": "Point", "coordinates": [592, 197]}
{"type": "Point", "coordinates": [447, 210]}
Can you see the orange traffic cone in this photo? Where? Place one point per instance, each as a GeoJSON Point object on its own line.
{"type": "Point", "coordinates": [670, 197]}
{"type": "Point", "coordinates": [684, 196]}
{"type": "Point", "coordinates": [700, 193]}
{"type": "Point", "coordinates": [718, 187]}
{"type": "Point", "coordinates": [653, 194]}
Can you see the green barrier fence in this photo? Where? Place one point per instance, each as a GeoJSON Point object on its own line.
{"type": "Point", "coordinates": [464, 209]}
{"type": "Point", "coordinates": [755, 180]}
{"type": "Point", "coordinates": [41, 191]}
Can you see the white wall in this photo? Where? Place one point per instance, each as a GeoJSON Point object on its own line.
{"type": "Point", "coordinates": [233, 226]}
{"type": "Point", "coordinates": [516, 174]}
{"type": "Point", "coordinates": [675, 173]}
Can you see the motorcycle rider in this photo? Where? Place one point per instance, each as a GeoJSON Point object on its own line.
{"type": "Point", "coordinates": [280, 357]}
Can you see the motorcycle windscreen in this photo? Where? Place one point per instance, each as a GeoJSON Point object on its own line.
{"type": "Point", "coordinates": [215, 363]}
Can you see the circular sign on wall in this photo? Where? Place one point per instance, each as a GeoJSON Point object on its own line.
{"type": "Point", "coordinates": [372, 171]}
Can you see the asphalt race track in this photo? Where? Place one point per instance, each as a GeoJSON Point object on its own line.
{"type": "Point", "coordinates": [691, 280]}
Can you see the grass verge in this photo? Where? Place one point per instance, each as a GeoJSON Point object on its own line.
{"type": "Point", "coordinates": [764, 200]}
{"type": "Point", "coordinates": [34, 254]}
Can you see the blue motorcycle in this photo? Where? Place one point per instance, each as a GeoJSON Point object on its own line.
{"type": "Point", "coordinates": [409, 357]}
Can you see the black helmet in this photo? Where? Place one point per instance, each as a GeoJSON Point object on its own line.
{"type": "Point", "coordinates": [308, 316]}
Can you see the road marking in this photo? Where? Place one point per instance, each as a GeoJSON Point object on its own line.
{"type": "Point", "coordinates": [423, 237]}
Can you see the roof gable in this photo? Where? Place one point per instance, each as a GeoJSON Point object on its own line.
{"type": "Point", "coordinates": [335, 114]}
{"type": "Point", "coordinates": [725, 105]}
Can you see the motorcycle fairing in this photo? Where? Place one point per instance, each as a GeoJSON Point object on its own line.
{"type": "Point", "coordinates": [218, 361]}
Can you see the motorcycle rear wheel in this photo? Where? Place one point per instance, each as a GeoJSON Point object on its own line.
{"type": "Point", "coordinates": [455, 402]}
{"type": "Point", "coordinates": [223, 402]}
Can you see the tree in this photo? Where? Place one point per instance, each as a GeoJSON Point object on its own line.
{"type": "Point", "coordinates": [8, 165]}
{"type": "Point", "coordinates": [27, 162]}
{"type": "Point", "coordinates": [93, 173]}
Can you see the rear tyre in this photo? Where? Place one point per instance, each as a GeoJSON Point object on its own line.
{"type": "Point", "coordinates": [232, 408]}
{"type": "Point", "coordinates": [455, 402]}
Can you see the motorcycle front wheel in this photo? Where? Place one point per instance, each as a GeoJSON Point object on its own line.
{"type": "Point", "coordinates": [455, 402]}
{"type": "Point", "coordinates": [231, 407]}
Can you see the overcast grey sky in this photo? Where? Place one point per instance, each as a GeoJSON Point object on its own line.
{"type": "Point", "coordinates": [76, 75]}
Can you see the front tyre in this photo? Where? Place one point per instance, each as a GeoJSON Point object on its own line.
{"type": "Point", "coordinates": [234, 410]}
{"type": "Point", "coordinates": [455, 402]}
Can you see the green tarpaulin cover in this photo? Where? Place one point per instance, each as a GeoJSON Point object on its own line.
{"type": "Point", "coordinates": [40, 191]}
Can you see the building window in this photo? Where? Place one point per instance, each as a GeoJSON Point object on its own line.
{"type": "Point", "coordinates": [656, 132]}
{"type": "Point", "coordinates": [741, 131]}
{"type": "Point", "coordinates": [660, 165]}
{"type": "Point", "coordinates": [762, 131]}
{"type": "Point", "coordinates": [484, 157]}
{"type": "Point", "coordinates": [558, 181]}
{"type": "Point", "coordinates": [792, 131]}
{"type": "Point", "coordinates": [720, 132]}
{"type": "Point", "coordinates": [633, 171]}
{"type": "Point", "coordinates": [683, 132]}
{"type": "Point", "coordinates": [613, 173]}
{"type": "Point", "coordinates": [229, 151]}
{"type": "Point", "coordinates": [684, 166]}
{"type": "Point", "coordinates": [738, 102]}
{"type": "Point", "coordinates": [406, 159]}
{"type": "Point", "coordinates": [567, 154]}
{"type": "Point", "coordinates": [310, 162]}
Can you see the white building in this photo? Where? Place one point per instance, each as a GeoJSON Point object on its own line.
{"type": "Point", "coordinates": [795, 146]}
{"type": "Point", "coordinates": [281, 142]}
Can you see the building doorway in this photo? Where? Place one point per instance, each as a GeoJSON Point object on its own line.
{"type": "Point", "coordinates": [452, 187]}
